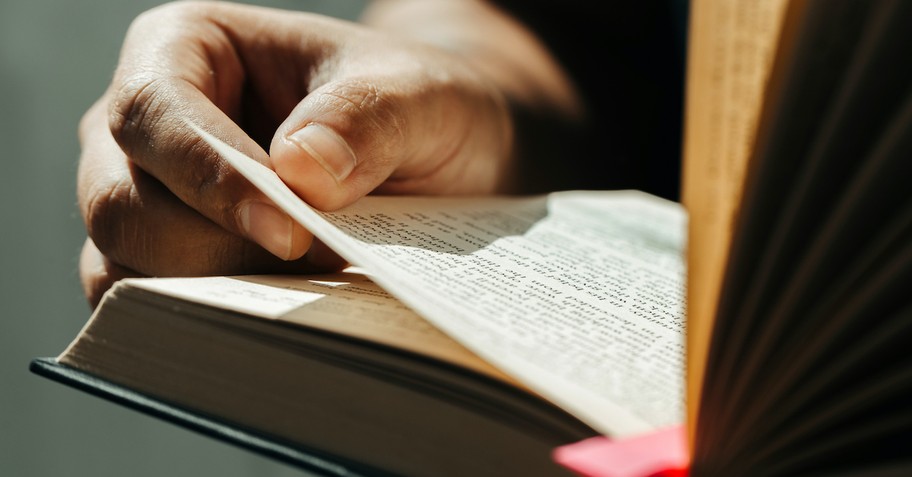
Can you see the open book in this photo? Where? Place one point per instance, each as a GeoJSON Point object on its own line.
{"type": "Point", "coordinates": [474, 336]}
{"type": "Point", "coordinates": [482, 332]}
{"type": "Point", "coordinates": [798, 155]}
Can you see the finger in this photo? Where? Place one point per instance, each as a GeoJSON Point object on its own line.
{"type": "Point", "coordinates": [420, 122]}
{"type": "Point", "coordinates": [138, 223]}
{"type": "Point", "coordinates": [179, 64]}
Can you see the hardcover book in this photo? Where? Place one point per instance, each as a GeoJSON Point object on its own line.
{"type": "Point", "coordinates": [475, 335]}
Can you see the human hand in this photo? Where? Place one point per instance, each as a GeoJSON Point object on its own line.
{"type": "Point", "coordinates": [346, 111]}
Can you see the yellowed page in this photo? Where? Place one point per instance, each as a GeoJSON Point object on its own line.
{"type": "Point", "coordinates": [731, 49]}
{"type": "Point", "coordinates": [347, 302]}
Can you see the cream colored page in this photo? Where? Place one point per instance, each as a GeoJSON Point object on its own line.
{"type": "Point", "coordinates": [348, 303]}
{"type": "Point", "coordinates": [577, 295]}
{"type": "Point", "coordinates": [731, 49]}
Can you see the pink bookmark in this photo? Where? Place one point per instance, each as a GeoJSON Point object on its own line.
{"type": "Point", "coordinates": [658, 454]}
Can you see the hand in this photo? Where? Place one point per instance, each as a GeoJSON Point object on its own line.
{"type": "Point", "coordinates": [345, 110]}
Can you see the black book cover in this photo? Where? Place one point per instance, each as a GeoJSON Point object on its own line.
{"type": "Point", "coordinates": [310, 460]}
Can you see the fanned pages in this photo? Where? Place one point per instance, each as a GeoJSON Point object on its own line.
{"type": "Point", "coordinates": [731, 46]}
{"type": "Point", "coordinates": [807, 369]}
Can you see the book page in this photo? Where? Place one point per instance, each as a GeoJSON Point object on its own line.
{"type": "Point", "coordinates": [731, 48]}
{"type": "Point", "coordinates": [833, 110]}
{"type": "Point", "coordinates": [347, 303]}
{"type": "Point", "coordinates": [578, 295]}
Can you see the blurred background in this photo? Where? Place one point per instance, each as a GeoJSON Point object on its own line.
{"type": "Point", "coordinates": [56, 58]}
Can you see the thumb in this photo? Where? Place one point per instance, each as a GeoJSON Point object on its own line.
{"type": "Point", "coordinates": [350, 136]}
{"type": "Point", "coordinates": [339, 143]}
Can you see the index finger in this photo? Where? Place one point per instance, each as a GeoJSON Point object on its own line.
{"type": "Point", "coordinates": [177, 64]}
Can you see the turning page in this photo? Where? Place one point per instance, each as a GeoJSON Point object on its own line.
{"type": "Point", "coordinates": [578, 295]}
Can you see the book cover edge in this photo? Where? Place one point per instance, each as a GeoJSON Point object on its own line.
{"type": "Point", "coordinates": [306, 459]}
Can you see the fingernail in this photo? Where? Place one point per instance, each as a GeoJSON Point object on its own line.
{"type": "Point", "coordinates": [267, 226]}
{"type": "Point", "coordinates": [327, 148]}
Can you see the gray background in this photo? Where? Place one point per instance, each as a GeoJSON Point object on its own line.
{"type": "Point", "coordinates": [55, 59]}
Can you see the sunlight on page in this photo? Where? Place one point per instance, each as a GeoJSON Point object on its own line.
{"type": "Point", "coordinates": [578, 295]}
{"type": "Point", "coordinates": [347, 303]}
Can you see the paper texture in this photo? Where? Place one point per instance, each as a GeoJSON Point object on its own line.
{"type": "Point", "coordinates": [346, 302]}
{"type": "Point", "coordinates": [577, 295]}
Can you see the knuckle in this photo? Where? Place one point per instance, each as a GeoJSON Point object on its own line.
{"type": "Point", "coordinates": [106, 218]}
{"type": "Point", "coordinates": [138, 100]}
{"type": "Point", "coordinates": [136, 106]}
{"type": "Point", "coordinates": [197, 174]}
{"type": "Point", "coordinates": [100, 212]}
{"type": "Point", "coordinates": [208, 182]}
{"type": "Point", "coordinates": [379, 108]}
{"type": "Point", "coordinates": [375, 123]}
{"type": "Point", "coordinates": [142, 93]}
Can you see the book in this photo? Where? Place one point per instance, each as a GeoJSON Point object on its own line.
{"type": "Point", "coordinates": [797, 152]}
{"type": "Point", "coordinates": [463, 342]}
{"type": "Point", "coordinates": [798, 135]}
